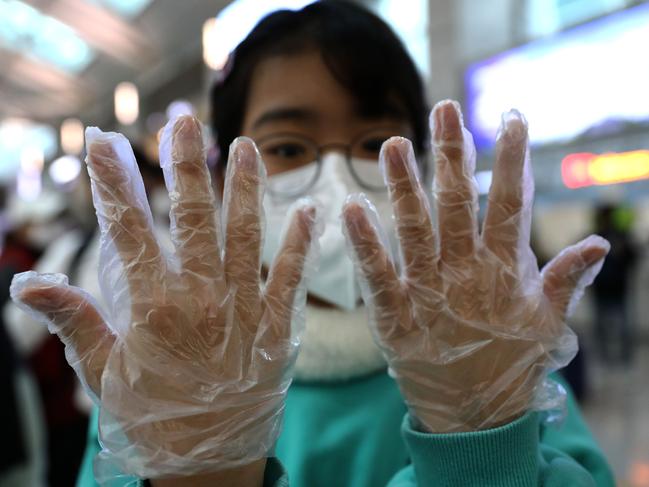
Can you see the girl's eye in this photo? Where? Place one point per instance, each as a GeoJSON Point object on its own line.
{"type": "Point", "coordinates": [287, 150]}
{"type": "Point", "coordinates": [373, 145]}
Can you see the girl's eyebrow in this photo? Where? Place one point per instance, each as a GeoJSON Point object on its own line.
{"type": "Point", "coordinates": [298, 114]}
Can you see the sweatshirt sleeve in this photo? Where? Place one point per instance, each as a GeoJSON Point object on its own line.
{"type": "Point", "coordinates": [574, 439]}
{"type": "Point", "coordinates": [521, 453]}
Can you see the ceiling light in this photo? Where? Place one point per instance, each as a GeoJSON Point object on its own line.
{"type": "Point", "coordinates": [234, 22]}
{"type": "Point", "coordinates": [125, 8]}
{"type": "Point", "coordinates": [215, 54]}
{"type": "Point", "coordinates": [32, 160]}
{"type": "Point", "coordinates": [127, 103]}
{"type": "Point", "coordinates": [64, 170]}
{"type": "Point", "coordinates": [20, 139]}
{"type": "Point", "coordinates": [27, 31]}
{"type": "Point", "coordinates": [72, 136]}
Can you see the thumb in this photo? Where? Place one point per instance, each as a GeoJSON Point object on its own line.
{"type": "Point", "coordinates": [68, 312]}
{"type": "Point", "coordinates": [567, 275]}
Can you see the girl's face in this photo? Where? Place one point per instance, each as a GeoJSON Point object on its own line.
{"type": "Point", "coordinates": [296, 107]}
{"type": "Point", "coordinates": [297, 112]}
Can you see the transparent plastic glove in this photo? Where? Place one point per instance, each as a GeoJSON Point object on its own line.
{"type": "Point", "coordinates": [469, 326]}
{"type": "Point", "coordinates": [190, 363]}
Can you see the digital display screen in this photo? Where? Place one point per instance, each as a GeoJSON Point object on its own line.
{"type": "Point", "coordinates": [593, 78]}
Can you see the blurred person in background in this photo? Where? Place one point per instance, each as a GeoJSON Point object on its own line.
{"type": "Point", "coordinates": [319, 91]}
{"type": "Point", "coordinates": [613, 328]}
{"type": "Point", "coordinates": [68, 244]}
{"type": "Point", "coordinates": [22, 454]}
{"type": "Point", "coordinates": [62, 421]}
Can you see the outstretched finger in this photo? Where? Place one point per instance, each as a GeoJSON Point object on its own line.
{"type": "Point", "coordinates": [507, 223]}
{"type": "Point", "coordinates": [455, 188]}
{"type": "Point", "coordinates": [70, 314]}
{"type": "Point", "coordinates": [193, 212]}
{"type": "Point", "coordinates": [284, 286]}
{"type": "Point", "coordinates": [373, 263]}
{"type": "Point", "coordinates": [244, 182]}
{"type": "Point", "coordinates": [567, 275]}
{"type": "Point", "coordinates": [122, 208]}
{"type": "Point", "coordinates": [411, 210]}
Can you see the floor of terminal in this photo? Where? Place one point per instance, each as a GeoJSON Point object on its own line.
{"type": "Point", "coordinates": [617, 409]}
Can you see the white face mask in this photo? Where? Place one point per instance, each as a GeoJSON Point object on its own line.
{"type": "Point", "coordinates": [335, 280]}
{"type": "Point", "coordinates": [160, 204]}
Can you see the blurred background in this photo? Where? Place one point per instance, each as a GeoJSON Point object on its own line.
{"type": "Point", "coordinates": [577, 69]}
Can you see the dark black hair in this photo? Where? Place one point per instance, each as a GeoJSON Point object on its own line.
{"type": "Point", "coordinates": [148, 168]}
{"type": "Point", "coordinates": [361, 51]}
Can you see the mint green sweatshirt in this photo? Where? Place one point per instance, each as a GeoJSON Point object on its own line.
{"type": "Point", "coordinates": [358, 434]}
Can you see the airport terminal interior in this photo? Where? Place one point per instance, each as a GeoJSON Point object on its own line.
{"type": "Point", "coordinates": [576, 69]}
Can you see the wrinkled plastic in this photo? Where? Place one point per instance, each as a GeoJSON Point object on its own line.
{"type": "Point", "coordinates": [468, 324]}
{"type": "Point", "coordinates": [191, 361]}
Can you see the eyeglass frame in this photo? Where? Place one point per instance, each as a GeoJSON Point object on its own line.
{"type": "Point", "coordinates": [319, 153]}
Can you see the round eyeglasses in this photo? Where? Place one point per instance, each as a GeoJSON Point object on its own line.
{"type": "Point", "coordinates": [288, 151]}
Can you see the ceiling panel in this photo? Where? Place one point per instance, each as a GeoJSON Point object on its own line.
{"type": "Point", "coordinates": [148, 49]}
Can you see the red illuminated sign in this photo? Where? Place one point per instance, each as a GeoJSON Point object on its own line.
{"type": "Point", "coordinates": [587, 169]}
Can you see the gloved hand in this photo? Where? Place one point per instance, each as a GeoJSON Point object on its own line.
{"type": "Point", "coordinates": [190, 365]}
{"type": "Point", "coordinates": [468, 324]}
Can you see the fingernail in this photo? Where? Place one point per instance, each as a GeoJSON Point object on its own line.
{"type": "Point", "coordinates": [353, 213]}
{"type": "Point", "coordinates": [99, 144]}
{"type": "Point", "coordinates": [187, 143]}
{"type": "Point", "coordinates": [33, 298]}
{"type": "Point", "coordinates": [396, 155]}
{"type": "Point", "coordinates": [307, 219]}
{"type": "Point", "coordinates": [309, 212]}
{"type": "Point", "coordinates": [100, 156]}
{"type": "Point", "coordinates": [513, 125]}
{"type": "Point", "coordinates": [598, 241]}
{"type": "Point", "coordinates": [187, 128]}
{"type": "Point", "coordinates": [244, 154]}
{"type": "Point", "coordinates": [446, 121]}
{"type": "Point", "coordinates": [100, 149]}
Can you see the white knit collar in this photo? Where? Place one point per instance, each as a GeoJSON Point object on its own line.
{"type": "Point", "coordinates": [336, 345]}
